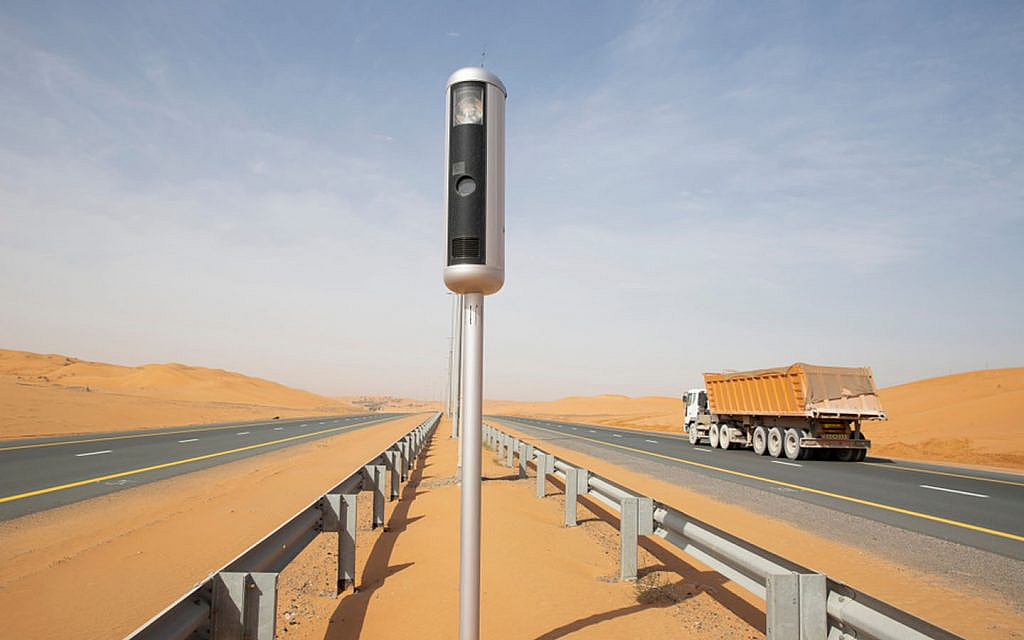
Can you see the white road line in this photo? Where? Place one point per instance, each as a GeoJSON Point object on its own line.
{"type": "Point", "coordinates": [963, 493]}
{"type": "Point", "coordinates": [788, 464]}
{"type": "Point", "coordinates": [702, 450]}
{"type": "Point", "coordinates": [278, 428]}
{"type": "Point", "coordinates": [242, 433]}
{"type": "Point", "coordinates": [323, 423]}
{"type": "Point", "coordinates": [303, 425]}
{"type": "Point", "coordinates": [651, 441]}
{"type": "Point", "coordinates": [189, 440]}
{"type": "Point", "coordinates": [93, 453]}
{"type": "Point", "coordinates": [615, 435]}
{"type": "Point", "coordinates": [591, 431]}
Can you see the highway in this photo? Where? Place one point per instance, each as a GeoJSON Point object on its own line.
{"type": "Point", "coordinates": [980, 508]}
{"type": "Point", "coordinates": [44, 473]}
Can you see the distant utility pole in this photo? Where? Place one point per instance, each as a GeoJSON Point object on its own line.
{"type": "Point", "coordinates": [456, 386]}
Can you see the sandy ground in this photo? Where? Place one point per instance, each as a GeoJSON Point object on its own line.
{"type": "Point", "coordinates": [101, 567]}
{"type": "Point", "coordinates": [43, 395]}
{"type": "Point", "coordinates": [966, 418]}
{"type": "Point", "coordinates": [973, 613]}
{"type": "Point", "coordinates": [539, 579]}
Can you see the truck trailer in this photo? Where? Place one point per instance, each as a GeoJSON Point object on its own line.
{"type": "Point", "coordinates": [798, 411]}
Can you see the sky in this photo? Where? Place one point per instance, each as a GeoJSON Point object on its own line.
{"type": "Point", "coordinates": [698, 186]}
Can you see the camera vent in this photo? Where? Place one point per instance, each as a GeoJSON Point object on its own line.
{"type": "Point", "coordinates": [465, 248]}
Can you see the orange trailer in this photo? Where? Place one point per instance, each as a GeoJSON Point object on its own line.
{"type": "Point", "coordinates": [796, 411]}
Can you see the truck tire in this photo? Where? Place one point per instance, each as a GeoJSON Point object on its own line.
{"type": "Point", "coordinates": [791, 444]}
{"type": "Point", "coordinates": [713, 436]}
{"type": "Point", "coordinates": [775, 442]}
{"type": "Point", "coordinates": [760, 441]}
{"type": "Point", "coordinates": [861, 454]}
{"type": "Point", "coordinates": [691, 433]}
{"type": "Point", "coordinates": [846, 455]}
{"type": "Point", "coordinates": [723, 437]}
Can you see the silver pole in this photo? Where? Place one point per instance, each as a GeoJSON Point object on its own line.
{"type": "Point", "coordinates": [449, 401]}
{"type": "Point", "coordinates": [469, 541]}
{"type": "Point", "coordinates": [457, 412]}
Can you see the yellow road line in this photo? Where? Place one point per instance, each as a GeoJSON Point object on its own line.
{"type": "Point", "coordinates": [121, 474]}
{"type": "Point", "coordinates": [837, 496]}
{"type": "Point", "coordinates": [151, 435]}
{"type": "Point", "coordinates": [882, 465]}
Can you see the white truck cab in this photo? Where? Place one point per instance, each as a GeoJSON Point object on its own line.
{"type": "Point", "coordinates": [696, 403]}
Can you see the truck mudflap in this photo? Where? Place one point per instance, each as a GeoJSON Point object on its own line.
{"type": "Point", "coordinates": [834, 443]}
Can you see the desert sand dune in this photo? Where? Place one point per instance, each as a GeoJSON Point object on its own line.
{"type": "Point", "coordinates": [54, 394]}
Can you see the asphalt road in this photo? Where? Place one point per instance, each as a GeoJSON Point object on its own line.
{"type": "Point", "coordinates": [44, 473]}
{"type": "Point", "coordinates": [979, 508]}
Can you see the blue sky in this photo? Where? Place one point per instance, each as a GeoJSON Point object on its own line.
{"type": "Point", "coordinates": [690, 187]}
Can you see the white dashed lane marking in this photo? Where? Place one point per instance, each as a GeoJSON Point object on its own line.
{"type": "Point", "coordinates": [651, 441]}
{"type": "Point", "coordinates": [242, 433]}
{"type": "Point", "coordinates": [963, 493]}
{"type": "Point", "coordinates": [93, 453]}
{"type": "Point", "coordinates": [788, 464]}
{"type": "Point", "coordinates": [189, 440]}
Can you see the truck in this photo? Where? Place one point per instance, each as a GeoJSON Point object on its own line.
{"type": "Point", "coordinates": [799, 411]}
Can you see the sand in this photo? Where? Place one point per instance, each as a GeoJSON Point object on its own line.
{"type": "Point", "coordinates": [131, 553]}
{"type": "Point", "coordinates": [538, 578]}
{"type": "Point", "coordinates": [975, 417]}
{"type": "Point", "coordinates": [931, 597]}
{"type": "Point", "coordinates": [42, 395]}
{"type": "Point", "coordinates": [653, 413]}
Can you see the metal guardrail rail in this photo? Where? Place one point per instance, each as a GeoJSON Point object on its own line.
{"type": "Point", "coordinates": [801, 604]}
{"type": "Point", "coordinates": [239, 601]}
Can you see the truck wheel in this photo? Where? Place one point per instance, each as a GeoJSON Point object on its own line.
{"type": "Point", "coordinates": [775, 442]}
{"type": "Point", "coordinates": [723, 437]}
{"type": "Point", "coordinates": [691, 432]}
{"type": "Point", "coordinates": [760, 441]}
{"type": "Point", "coordinates": [713, 436]}
{"type": "Point", "coordinates": [861, 454]}
{"type": "Point", "coordinates": [791, 444]}
{"type": "Point", "coordinates": [846, 455]}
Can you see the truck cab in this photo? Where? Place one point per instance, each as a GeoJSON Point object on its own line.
{"type": "Point", "coordinates": [696, 414]}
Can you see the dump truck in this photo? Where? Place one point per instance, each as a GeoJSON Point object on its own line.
{"type": "Point", "coordinates": [798, 411]}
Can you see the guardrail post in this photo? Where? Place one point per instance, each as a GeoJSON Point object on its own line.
{"type": "Point", "coordinates": [396, 475]}
{"type": "Point", "coordinates": [570, 496]}
{"type": "Point", "coordinates": [347, 542]}
{"type": "Point", "coordinates": [582, 481]}
{"type": "Point", "coordinates": [404, 459]}
{"type": "Point", "coordinates": [244, 605]}
{"type": "Point", "coordinates": [378, 496]}
{"type": "Point", "coordinates": [509, 452]}
{"type": "Point", "coordinates": [522, 459]}
{"type": "Point", "coordinates": [796, 606]}
{"type": "Point", "coordinates": [645, 516]}
{"type": "Point", "coordinates": [627, 538]}
{"type": "Point", "coordinates": [542, 472]}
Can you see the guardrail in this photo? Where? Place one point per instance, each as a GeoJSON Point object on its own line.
{"type": "Point", "coordinates": [801, 604]}
{"type": "Point", "coordinates": [240, 600]}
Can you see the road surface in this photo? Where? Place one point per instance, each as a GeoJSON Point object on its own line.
{"type": "Point", "coordinates": [44, 473]}
{"type": "Point", "coordinates": [979, 508]}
